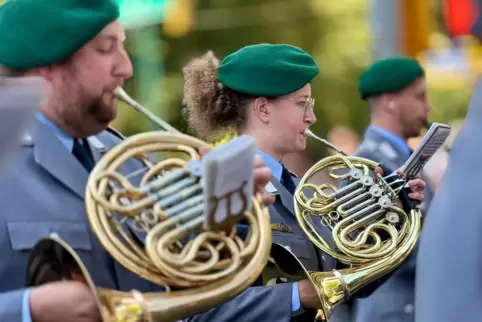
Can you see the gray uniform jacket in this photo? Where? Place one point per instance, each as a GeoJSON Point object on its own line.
{"type": "Point", "coordinates": [394, 299]}
{"type": "Point", "coordinates": [43, 192]}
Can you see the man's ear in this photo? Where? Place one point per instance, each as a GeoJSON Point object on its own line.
{"type": "Point", "coordinates": [46, 72]}
{"type": "Point", "coordinates": [388, 101]}
{"type": "Point", "coordinates": [261, 109]}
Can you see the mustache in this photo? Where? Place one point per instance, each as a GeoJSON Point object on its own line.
{"type": "Point", "coordinates": [113, 86]}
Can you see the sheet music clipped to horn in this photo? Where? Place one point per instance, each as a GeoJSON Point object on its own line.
{"type": "Point", "coordinates": [431, 142]}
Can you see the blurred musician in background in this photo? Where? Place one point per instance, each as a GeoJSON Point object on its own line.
{"type": "Point", "coordinates": [396, 94]}
{"type": "Point", "coordinates": [77, 47]}
{"type": "Point", "coordinates": [269, 99]}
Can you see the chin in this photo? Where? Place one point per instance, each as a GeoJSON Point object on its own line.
{"type": "Point", "coordinates": [300, 147]}
{"type": "Point", "coordinates": [108, 114]}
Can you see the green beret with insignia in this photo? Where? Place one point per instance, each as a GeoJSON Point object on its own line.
{"type": "Point", "coordinates": [389, 76]}
{"type": "Point", "coordinates": [36, 33]}
{"type": "Point", "coordinates": [267, 70]}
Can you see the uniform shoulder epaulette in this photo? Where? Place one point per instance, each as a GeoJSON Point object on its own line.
{"type": "Point", "coordinates": [115, 133]}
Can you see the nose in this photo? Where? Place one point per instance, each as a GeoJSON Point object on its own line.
{"type": "Point", "coordinates": [429, 107]}
{"type": "Point", "coordinates": [310, 117]}
{"type": "Point", "coordinates": [124, 68]}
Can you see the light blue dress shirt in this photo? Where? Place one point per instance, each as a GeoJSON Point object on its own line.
{"type": "Point", "coordinates": [394, 139]}
{"type": "Point", "coordinates": [68, 142]}
{"type": "Point", "coordinates": [277, 169]}
{"type": "Point", "coordinates": [65, 138]}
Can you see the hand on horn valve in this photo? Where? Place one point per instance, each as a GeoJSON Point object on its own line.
{"type": "Point", "coordinates": [417, 186]}
{"type": "Point", "coordinates": [262, 175]}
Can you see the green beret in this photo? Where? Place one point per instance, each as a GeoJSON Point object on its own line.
{"type": "Point", "coordinates": [36, 33]}
{"type": "Point", "coordinates": [267, 70]}
{"type": "Point", "coordinates": [389, 76]}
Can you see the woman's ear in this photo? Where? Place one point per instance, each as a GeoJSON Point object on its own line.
{"type": "Point", "coordinates": [261, 109]}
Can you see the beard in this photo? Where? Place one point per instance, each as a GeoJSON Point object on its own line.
{"type": "Point", "coordinates": [100, 111]}
{"type": "Point", "coordinates": [83, 114]}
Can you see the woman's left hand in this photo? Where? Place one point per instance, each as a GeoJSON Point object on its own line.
{"type": "Point", "coordinates": [417, 186]}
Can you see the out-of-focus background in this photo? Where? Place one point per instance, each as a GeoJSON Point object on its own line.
{"type": "Point", "coordinates": [343, 36]}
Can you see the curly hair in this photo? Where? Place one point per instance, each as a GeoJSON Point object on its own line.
{"type": "Point", "coordinates": [211, 107]}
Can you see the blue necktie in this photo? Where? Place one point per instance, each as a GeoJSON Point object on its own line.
{"type": "Point", "coordinates": [287, 181]}
{"type": "Point", "coordinates": [82, 152]}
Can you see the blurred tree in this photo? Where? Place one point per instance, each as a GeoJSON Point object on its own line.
{"type": "Point", "coordinates": [179, 18]}
{"type": "Point", "coordinates": [336, 33]}
{"type": "Point", "coordinates": [449, 105]}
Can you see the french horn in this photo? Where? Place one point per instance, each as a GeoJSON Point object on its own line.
{"type": "Point", "coordinates": [374, 226]}
{"type": "Point", "coordinates": [191, 247]}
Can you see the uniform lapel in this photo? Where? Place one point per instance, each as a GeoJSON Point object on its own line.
{"type": "Point", "coordinates": [285, 196]}
{"type": "Point", "coordinates": [57, 160]}
{"type": "Point", "coordinates": [287, 199]}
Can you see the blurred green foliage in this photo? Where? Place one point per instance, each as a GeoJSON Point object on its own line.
{"type": "Point", "coordinates": [336, 33]}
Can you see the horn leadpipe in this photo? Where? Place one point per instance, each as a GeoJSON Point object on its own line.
{"type": "Point", "coordinates": [334, 147]}
{"type": "Point", "coordinates": [123, 96]}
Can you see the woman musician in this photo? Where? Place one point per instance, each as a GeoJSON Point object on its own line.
{"type": "Point", "coordinates": [264, 91]}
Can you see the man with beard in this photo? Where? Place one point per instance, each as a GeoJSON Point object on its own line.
{"type": "Point", "coordinates": [396, 93]}
{"type": "Point", "coordinates": [77, 48]}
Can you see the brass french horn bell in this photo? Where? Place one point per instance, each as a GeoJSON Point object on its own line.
{"type": "Point", "coordinates": [195, 255]}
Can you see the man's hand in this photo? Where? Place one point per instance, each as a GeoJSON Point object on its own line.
{"type": "Point", "coordinates": [308, 297]}
{"type": "Point", "coordinates": [63, 301]}
{"type": "Point", "coordinates": [262, 175]}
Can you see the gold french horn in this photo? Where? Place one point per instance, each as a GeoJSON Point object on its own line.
{"type": "Point", "coordinates": [373, 226]}
{"type": "Point", "coordinates": [201, 262]}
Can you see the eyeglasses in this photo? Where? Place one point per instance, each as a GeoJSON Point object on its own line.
{"type": "Point", "coordinates": [306, 103]}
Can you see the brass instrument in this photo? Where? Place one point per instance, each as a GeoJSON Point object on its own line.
{"type": "Point", "coordinates": [373, 231]}
{"type": "Point", "coordinates": [167, 206]}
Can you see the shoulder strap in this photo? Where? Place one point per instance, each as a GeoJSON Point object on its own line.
{"type": "Point", "coordinates": [115, 132]}
{"type": "Point", "coordinates": [292, 174]}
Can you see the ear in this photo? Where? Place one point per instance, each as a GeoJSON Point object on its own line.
{"type": "Point", "coordinates": [46, 72]}
{"type": "Point", "coordinates": [388, 101]}
{"type": "Point", "coordinates": [261, 109]}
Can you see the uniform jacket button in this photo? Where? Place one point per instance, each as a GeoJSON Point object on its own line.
{"type": "Point", "coordinates": [408, 308]}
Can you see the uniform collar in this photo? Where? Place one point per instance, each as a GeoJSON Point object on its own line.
{"type": "Point", "coordinates": [64, 138]}
{"type": "Point", "coordinates": [398, 142]}
{"type": "Point", "coordinates": [276, 169]}
{"type": "Point", "coordinates": [270, 162]}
